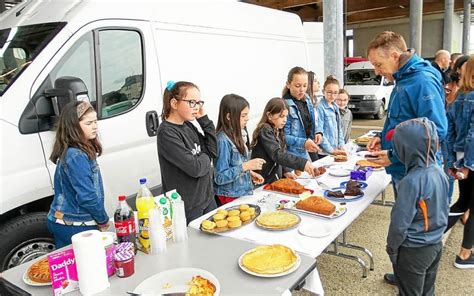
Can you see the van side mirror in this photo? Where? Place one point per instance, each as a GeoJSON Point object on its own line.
{"type": "Point", "coordinates": [66, 89]}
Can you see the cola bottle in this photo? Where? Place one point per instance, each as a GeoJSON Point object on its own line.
{"type": "Point", "coordinates": [124, 219]}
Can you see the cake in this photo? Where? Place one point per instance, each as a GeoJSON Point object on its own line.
{"type": "Point", "coordinates": [272, 259]}
{"type": "Point", "coordinates": [316, 204]}
{"type": "Point", "coordinates": [353, 188]}
{"type": "Point", "coordinates": [340, 158]}
{"type": "Point", "coordinates": [368, 163]}
{"type": "Point", "coordinates": [200, 286]}
{"type": "Point", "coordinates": [277, 220]}
{"type": "Point", "coordinates": [336, 194]}
{"type": "Point", "coordinates": [319, 171]}
{"type": "Point", "coordinates": [286, 186]}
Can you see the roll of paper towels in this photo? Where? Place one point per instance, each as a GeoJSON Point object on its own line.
{"type": "Point", "coordinates": [90, 262]}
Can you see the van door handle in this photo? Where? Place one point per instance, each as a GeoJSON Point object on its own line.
{"type": "Point", "coordinates": [151, 122]}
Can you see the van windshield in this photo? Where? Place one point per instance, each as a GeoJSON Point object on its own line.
{"type": "Point", "coordinates": [19, 46]}
{"type": "Point", "coordinates": [362, 77]}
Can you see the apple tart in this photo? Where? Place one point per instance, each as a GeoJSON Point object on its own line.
{"type": "Point", "coordinates": [39, 271]}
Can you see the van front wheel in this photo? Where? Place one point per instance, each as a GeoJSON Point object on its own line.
{"type": "Point", "coordinates": [23, 239]}
{"type": "Point", "coordinates": [381, 112]}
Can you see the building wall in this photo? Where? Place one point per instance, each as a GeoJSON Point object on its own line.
{"type": "Point", "coordinates": [432, 33]}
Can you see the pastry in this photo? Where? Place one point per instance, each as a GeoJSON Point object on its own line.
{"type": "Point", "coordinates": [218, 217]}
{"type": "Point", "coordinates": [286, 186]}
{"type": "Point", "coordinates": [368, 163]}
{"type": "Point", "coordinates": [222, 223]}
{"type": "Point", "coordinates": [277, 220]}
{"type": "Point", "coordinates": [339, 152]}
{"type": "Point", "coordinates": [234, 224]}
{"type": "Point", "coordinates": [336, 194]}
{"type": "Point", "coordinates": [244, 207]}
{"type": "Point", "coordinates": [234, 213]}
{"type": "Point", "coordinates": [244, 216]}
{"type": "Point", "coordinates": [233, 218]}
{"type": "Point", "coordinates": [319, 171]}
{"type": "Point", "coordinates": [251, 211]}
{"type": "Point", "coordinates": [316, 204]}
{"type": "Point", "coordinates": [353, 188]}
{"type": "Point", "coordinates": [222, 212]}
{"type": "Point", "coordinates": [272, 259]}
{"type": "Point", "coordinates": [363, 139]}
{"type": "Point", "coordinates": [200, 286]}
{"type": "Point", "coordinates": [208, 225]}
{"type": "Point", "coordinates": [39, 271]}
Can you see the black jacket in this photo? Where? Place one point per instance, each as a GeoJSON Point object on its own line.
{"type": "Point", "coordinates": [275, 154]}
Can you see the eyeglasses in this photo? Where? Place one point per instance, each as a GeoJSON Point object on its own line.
{"type": "Point", "coordinates": [193, 103]}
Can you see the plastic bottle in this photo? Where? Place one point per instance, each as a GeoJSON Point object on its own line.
{"type": "Point", "coordinates": [144, 203]}
{"type": "Point", "coordinates": [124, 221]}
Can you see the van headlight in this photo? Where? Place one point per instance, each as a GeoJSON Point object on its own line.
{"type": "Point", "coordinates": [369, 98]}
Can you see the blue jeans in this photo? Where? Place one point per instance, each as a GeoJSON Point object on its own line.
{"type": "Point", "coordinates": [62, 233]}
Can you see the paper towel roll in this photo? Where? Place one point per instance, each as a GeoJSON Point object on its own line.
{"type": "Point", "coordinates": [90, 262]}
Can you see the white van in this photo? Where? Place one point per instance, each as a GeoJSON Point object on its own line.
{"type": "Point", "coordinates": [370, 93]}
{"type": "Point", "coordinates": [124, 52]}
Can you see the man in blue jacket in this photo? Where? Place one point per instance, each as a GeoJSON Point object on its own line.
{"type": "Point", "coordinates": [418, 93]}
{"type": "Point", "coordinates": [420, 214]}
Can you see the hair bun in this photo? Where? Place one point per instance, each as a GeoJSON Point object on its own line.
{"type": "Point", "coordinates": [330, 76]}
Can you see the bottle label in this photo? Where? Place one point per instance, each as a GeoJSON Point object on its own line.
{"type": "Point", "coordinates": [124, 228]}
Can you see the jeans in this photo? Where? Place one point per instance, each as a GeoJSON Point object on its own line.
{"type": "Point", "coordinates": [416, 269]}
{"type": "Point", "coordinates": [62, 233]}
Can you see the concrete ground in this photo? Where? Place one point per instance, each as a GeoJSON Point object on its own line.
{"type": "Point", "coordinates": [344, 277]}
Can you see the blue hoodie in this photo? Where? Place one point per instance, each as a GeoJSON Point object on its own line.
{"type": "Point", "coordinates": [418, 93]}
{"type": "Point", "coordinates": [420, 214]}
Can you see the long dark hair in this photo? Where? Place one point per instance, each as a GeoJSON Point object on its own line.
{"type": "Point", "coordinates": [310, 90]}
{"type": "Point", "coordinates": [174, 91]}
{"type": "Point", "coordinates": [274, 106]}
{"type": "Point", "coordinates": [233, 105]}
{"type": "Point", "coordinates": [293, 71]}
{"type": "Point", "coordinates": [69, 132]}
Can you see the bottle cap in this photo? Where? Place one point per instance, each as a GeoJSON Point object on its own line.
{"type": "Point", "coordinates": [142, 180]}
{"type": "Point", "coordinates": [174, 195]}
{"type": "Point", "coordinates": [163, 200]}
{"type": "Point", "coordinates": [122, 197]}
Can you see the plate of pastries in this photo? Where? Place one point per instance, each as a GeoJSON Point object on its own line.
{"type": "Point", "coordinates": [277, 220]}
{"type": "Point", "coordinates": [230, 218]}
{"type": "Point", "coordinates": [270, 261]}
{"type": "Point", "coordinates": [339, 155]}
{"type": "Point", "coordinates": [314, 205]}
{"type": "Point", "coordinates": [38, 274]}
{"type": "Point", "coordinates": [349, 190]}
{"type": "Point", "coordinates": [287, 186]}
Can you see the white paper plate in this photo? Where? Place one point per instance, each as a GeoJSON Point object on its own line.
{"type": "Point", "coordinates": [339, 172]}
{"type": "Point", "coordinates": [174, 281]}
{"type": "Point", "coordinates": [29, 282]}
{"type": "Point", "coordinates": [295, 267]}
{"type": "Point", "coordinates": [315, 230]}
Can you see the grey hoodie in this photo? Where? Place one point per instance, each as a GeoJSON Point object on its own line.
{"type": "Point", "coordinates": [420, 214]}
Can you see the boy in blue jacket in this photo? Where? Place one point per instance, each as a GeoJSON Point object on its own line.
{"type": "Point", "coordinates": [420, 214]}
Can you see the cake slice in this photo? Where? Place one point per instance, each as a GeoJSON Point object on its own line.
{"type": "Point", "coordinates": [353, 188]}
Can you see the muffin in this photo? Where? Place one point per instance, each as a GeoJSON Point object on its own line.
{"type": "Point", "coordinates": [233, 218]}
{"type": "Point", "coordinates": [234, 213]}
{"type": "Point", "coordinates": [251, 211]}
{"type": "Point", "coordinates": [245, 215]}
{"type": "Point", "coordinates": [222, 212]}
{"type": "Point", "coordinates": [208, 225]}
{"type": "Point", "coordinates": [244, 207]}
{"type": "Point", "coordinates": [234, 224]}
{"type": "Point", "coordinates": [218, 217]}
{"type": "Point", "coordinates": [222, 223]}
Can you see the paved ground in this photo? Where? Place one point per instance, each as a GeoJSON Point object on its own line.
{"type": "Point", "coordinates": [344, 277]}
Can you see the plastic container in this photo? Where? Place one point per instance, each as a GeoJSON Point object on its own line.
{"type": "Point", "coordinates": [144, 203]}
{"type": "Point", "coordinates": [125, 264]}
{"type": "Point", "coordinates": [108, 239]}
{"type": "Point", "coordinates": [124, 222]}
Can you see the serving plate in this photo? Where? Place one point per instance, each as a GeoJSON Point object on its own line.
{"type": "Point", "coordinates": [342, 199]}
{"type": "Point", "coordinates": [225, 229]}
{"type": "Point", "coordinates": [30, 282]}
{"type": "Point", "coordinates": [290, 205]}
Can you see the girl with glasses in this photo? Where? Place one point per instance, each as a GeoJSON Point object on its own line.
{"type": "Point", "coordinates": [184, 153]}
{"type": "Point", "coordinates": [234, 170]}
{"type": "Point", "coordinates": [346, 115]}
{"type": "Point", "coordinates": [329, 119]}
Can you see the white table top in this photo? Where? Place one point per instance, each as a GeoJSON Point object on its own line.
{"type": "Point", "coordinates": [310, 246]}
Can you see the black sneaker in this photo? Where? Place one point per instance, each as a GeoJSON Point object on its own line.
{"type": "Point", "coordinates": [390, 279]}
{"type": "Point", "coordinates": [464, 264]}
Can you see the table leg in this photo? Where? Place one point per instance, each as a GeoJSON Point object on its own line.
{"type": "Point", "coordinates": [355, 247]}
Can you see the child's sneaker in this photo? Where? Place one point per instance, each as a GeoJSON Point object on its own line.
{"type": "Point", "coordinates": [464, 264]}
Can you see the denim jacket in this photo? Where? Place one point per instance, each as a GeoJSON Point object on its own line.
{"type": "Point", "coordinates": [329, 123]}
{"type": "Point", "coordinates": [295, 135]}
{"type": "Point", "coordinates": [78, 189]}
{"type": "Point", "coordinates": [460, 138]}
{"type": "Point", "coordinates": [229, 178]}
